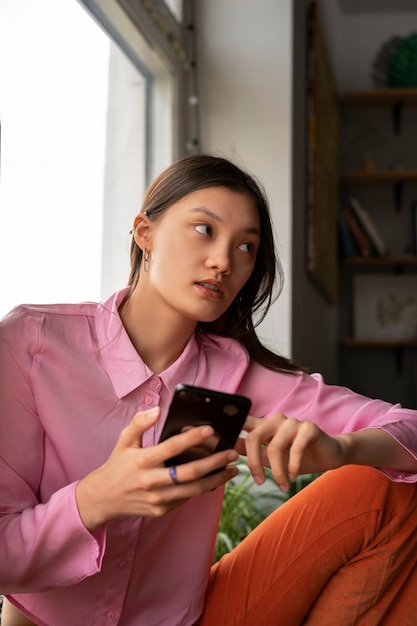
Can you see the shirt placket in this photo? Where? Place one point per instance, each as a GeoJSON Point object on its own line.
{"type": "Point", "coordinates": [129, 528]}
{"type": "Point", "coordinates": [122, 559]}
{"type": "Point", "coordinates": [150, 397]}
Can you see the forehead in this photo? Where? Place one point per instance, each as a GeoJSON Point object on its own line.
{"type": "Point", "coordinates": [221, 204]}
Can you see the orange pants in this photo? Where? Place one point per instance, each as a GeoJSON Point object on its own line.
{"type": "Point", "coordinates": [342, 552]}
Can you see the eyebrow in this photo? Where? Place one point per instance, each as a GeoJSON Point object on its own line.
{"type": "Point", "coordinates": [251, 230]}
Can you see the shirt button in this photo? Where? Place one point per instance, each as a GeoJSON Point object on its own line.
{"type": "Point", "coordinates": [123, 564]}
{"type": "Point", "coordinates": [148, 400]}
{"type": "Point", "coordinates": [154, 383]}
{"type": "Point", "coordinates": [110, 615]}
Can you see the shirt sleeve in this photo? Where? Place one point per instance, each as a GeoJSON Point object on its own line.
{"type": "Point", "coordinates": [334, 409]}
{"type": "Point", "coordinates": [42, 544]}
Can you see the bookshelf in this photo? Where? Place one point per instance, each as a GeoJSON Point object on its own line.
{"type": "Point", "coordinates": [380, 98]}
{"type": "Point", "coordinates": [380, 177]}
{"type": "Point", "coordinates": [378, 343]}
{"type": "Point", "coordinates": [381, 262]}
{"type": "Point", "coordinates": [380, 366]}
{"type": "Point", "coordinates": [395, 178]}
{"type": "Point", "coordinates": [394, 99]}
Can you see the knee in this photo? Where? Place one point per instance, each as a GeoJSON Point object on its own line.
{"type": "Point", "coordinates": [361, 487]}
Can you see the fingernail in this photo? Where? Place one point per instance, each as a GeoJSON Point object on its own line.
{"type": "Point", "coordinates": [152, 412]}
{"type": "Point", "coordinates": [259, 479]}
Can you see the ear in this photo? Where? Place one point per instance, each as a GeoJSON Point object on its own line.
{"type": "Point", "coordinates": [142, 231]}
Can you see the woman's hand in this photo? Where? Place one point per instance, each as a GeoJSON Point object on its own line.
{"type": "Point", "coordinates": [289, 447]}
{"type": "Point", "coordinates": [134, 480]}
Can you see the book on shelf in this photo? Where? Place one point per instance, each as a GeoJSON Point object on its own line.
{"type": "Point", "coordinates": [361, 240]}
{"type": "Point", "coordinates": [348, 246]}
{"type": "Point", "coordinates": [369, 227]}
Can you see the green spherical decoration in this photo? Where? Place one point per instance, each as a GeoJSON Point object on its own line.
{"type": "Point", "coordinates": [403, 65]}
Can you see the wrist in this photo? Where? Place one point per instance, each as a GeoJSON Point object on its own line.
{"type": "Point", "coordinates": [89, 509]}
{"type": "Point", "coordinates": [346, 447]}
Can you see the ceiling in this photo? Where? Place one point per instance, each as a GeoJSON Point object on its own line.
{"type": "Point", "coordinates": [378, 6]}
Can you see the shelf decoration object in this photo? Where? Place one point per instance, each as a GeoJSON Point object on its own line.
{"type": "Point", "coordinates": [380, 66]}
{"type": "Point", "coordinates": [395, 67]}
{"type": "Point", "coordinates": [395, 64]}
{"type": "Point", "coordinates": [403, 65]}
{"type": "Point", "coordinates": [385, 307]}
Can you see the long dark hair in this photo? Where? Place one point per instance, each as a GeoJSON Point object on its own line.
{"type": "Point", "coordinates": [251, 305]}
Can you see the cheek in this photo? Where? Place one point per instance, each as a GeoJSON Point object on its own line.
{"type": "Point", "coordinates": [245, 271]}
{"type": "Point", "coordinates": [168, 265]}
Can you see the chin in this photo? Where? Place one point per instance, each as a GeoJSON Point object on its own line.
{"type": "Point", "coordinates": [207, 318]}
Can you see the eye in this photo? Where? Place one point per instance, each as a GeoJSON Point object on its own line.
{"type": "Point", "coordinates": [247, 246]}
{"type": "Point", "coordinates": [204, 229]}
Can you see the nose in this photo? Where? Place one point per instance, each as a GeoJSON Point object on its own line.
{"type": "Point", "coordinates": [219, 259]}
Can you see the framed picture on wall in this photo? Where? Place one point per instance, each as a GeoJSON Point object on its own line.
{"type": "Point", "coordinates": [415, 385]}
{"type": "Point", "coordinates": [385, 307]}
{"type": "Point", "coordinates": [322, 164]}
{"type": "Point", "coordinates": [414, 218]}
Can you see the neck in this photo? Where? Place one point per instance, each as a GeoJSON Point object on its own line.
{"type": "Point", "coordinates": [158, 338]}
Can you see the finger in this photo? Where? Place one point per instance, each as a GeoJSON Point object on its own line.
{"type": "Point", "coordinates": [251, 423]}
{"type": "Point", "coordinates": [193, 471]}
{"type": "Point", "coordinates": [140, 423]}
{"type": "Point", "coordinates": [196, 470]}
{"type": "Point", "coordinates": [191, 481]}
{"type": "Point", "coordinates": [307, 435]}
{"type": "Point", "coordinates": [240, 446]}
{"type": "Point", "coordinates": [279, 451]}
{"type": "Point", "coordinates": [177, 444]}
{"type": "Point", "coordinates": [172, 495]}
{"type": "Point", "coordinates": [256, 443]}
{"type": "Point", "coordinates": [162, 478]}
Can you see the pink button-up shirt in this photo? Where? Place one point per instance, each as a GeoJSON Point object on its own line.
{"type": "Point", "coordinates": [70, 381]}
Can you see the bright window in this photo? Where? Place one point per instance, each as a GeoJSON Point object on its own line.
{"type": "Point", "coordinates": [85, 124]}
{"type": "Point", "coordinates": [53, 104]}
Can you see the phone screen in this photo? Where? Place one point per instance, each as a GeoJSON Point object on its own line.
{"type": "Point", "coordinates": [196, 406]}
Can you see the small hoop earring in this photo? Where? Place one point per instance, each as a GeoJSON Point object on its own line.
{"type": "Point", "coordinates": [146, 261]}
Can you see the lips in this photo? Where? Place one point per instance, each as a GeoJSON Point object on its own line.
{"type": "Point", "coordinates": [211, 287]}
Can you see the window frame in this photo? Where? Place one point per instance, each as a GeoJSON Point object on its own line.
{"type": "Point", "coordinates": [155, 42]}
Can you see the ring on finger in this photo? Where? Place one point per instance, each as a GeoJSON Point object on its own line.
{"type": "Point", "coordinates": [173, 474]}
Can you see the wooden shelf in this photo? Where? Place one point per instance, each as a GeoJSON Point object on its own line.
{"type": "Point", "coordinates": [388, 261]}
{"type": "Point", "coordinates": [379, 343]}
{"type": "Point", "coordinates": [376, 107]}
{"type": "Point", "coordinates": [379, 177]}
{"type": "Point", "coordinates": [381, 98]}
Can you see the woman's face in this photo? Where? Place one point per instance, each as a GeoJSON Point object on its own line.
{"type": "Point", "coordinates": [202, 251]}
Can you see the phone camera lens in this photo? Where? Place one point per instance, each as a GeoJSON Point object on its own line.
{"type": "Point", "coordinates": [189, 395]}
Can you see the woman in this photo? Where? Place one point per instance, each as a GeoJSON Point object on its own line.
{"type": "Point", "coordinates": [95, 529]}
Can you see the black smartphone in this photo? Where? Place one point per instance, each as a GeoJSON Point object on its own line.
{"type": "Point", "coordinates": [196, 406]}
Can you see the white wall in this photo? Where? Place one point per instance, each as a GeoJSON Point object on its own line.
{"type": "Point", "coordinates": [245, 78]}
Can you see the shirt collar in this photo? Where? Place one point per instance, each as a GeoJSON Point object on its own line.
{"type": "Point", "coordinates": [124, 366]}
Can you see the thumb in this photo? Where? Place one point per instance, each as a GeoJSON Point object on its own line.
{"type": "Point", "coordinates": [141, 422]}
